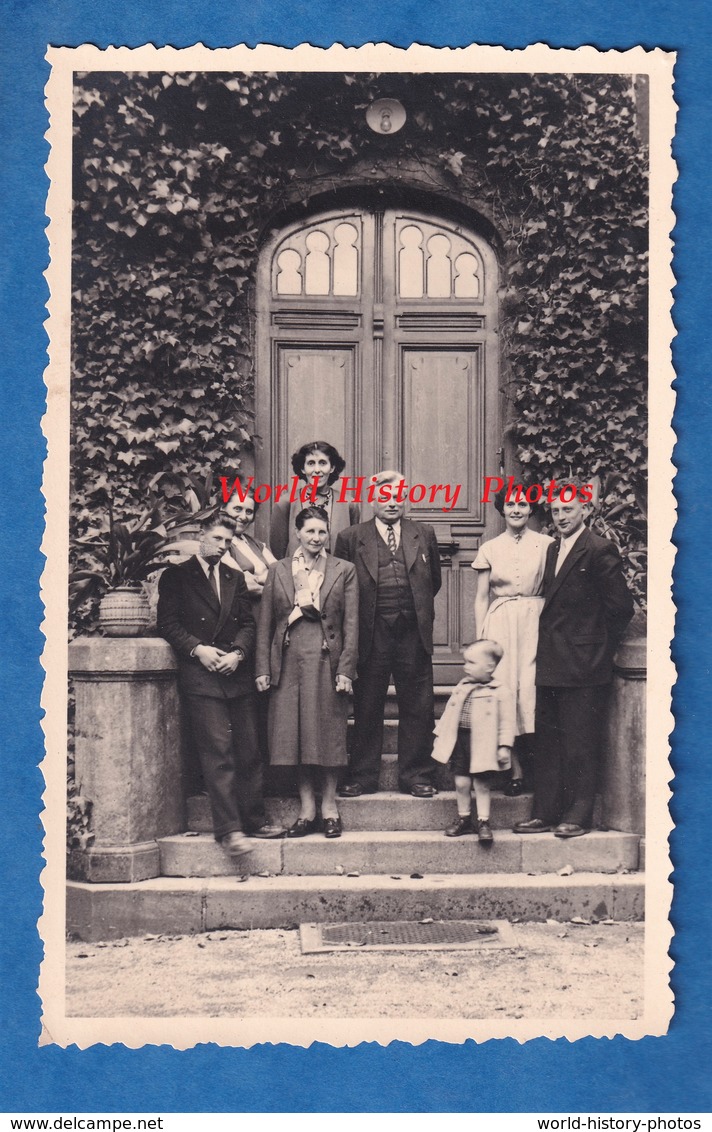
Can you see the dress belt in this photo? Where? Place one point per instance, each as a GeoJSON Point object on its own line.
{"type": "Point", "coordinates": [513, 597]}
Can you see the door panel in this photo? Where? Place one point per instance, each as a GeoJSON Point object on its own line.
{"type": "Point", "coordinates": [443, 611]}
{"type": "Point", "coordinates": [467, 582]}
{"type": "Point", "coordinates": [316, 398]}
{"type": "Point", "coordinates": [377, 332]}
{"type": "Point", "coordinates": [442, 446]}
{"type": "Point", "coordinates": [440, 436]}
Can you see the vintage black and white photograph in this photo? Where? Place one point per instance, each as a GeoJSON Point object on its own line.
{"type": "Point", "coordinates": [359, 517]}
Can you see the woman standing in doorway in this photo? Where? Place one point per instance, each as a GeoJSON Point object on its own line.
{"type": "Point", "coordinates": [321, 460]}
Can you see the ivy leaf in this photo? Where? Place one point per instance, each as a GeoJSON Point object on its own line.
{"type": "Point", "coordinates": [453, 162]}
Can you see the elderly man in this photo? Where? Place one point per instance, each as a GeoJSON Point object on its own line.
{"type": "Point", "coordinates": [587, 606]}
{"type": "Point", "coordinates": [398, 570]}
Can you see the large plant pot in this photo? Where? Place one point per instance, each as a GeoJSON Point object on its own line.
{"type": "Point", "coordinates": [125, 612]}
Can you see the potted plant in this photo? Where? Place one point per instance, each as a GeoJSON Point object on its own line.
{"type": "Point", "coordinates": [116, 560]}
{"type": "Point", "coordinates": [189, 499]}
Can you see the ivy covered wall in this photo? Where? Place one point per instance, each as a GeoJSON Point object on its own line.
{"type": "Point", "coordinates": [179, 178]}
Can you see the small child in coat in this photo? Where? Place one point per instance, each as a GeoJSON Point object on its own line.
{"type": "Point", "coordinates": [475, 735]}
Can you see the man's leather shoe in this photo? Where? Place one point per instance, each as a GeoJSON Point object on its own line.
{"type": "Point", "coordinates": [268, 832]}
{"type": "Point", "coordinates": [236, 844]}
{"type": "Point", "coordinates": [422, 790]}
{"type": "Point", "coordinates": [332, 827]}
{"type": "Point", "coordinates": [569, 829]}
{"type": "Point", "coordinates": [534, 825]}
{"type": "Point", "coordinates": [353, 790]}
{"type": "Point", "coordinates": [460, 827]}
{"type": "Point", "coordinates": [302, 827]}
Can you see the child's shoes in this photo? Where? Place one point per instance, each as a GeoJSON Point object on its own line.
{"type": "Point", "coordinates": [484, 833]}
{"type": "Point", "coordinates": [461, 826]}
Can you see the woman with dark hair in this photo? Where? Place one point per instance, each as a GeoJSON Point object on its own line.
{"type": "Point", "coordinates": [508, 601]}
{"type": "Point", "coordinates": [321, 460]}
{"type": "Point", "coordinates": [247, 554]}
{"type": "Point", "coordinates": [307, 647]}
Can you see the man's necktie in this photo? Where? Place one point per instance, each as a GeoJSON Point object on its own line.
{"type": "Point", "coordinates": [212, 579]}
{"type": "Point", "coordinates": [560, 557]}
{"type": "Point", "coordinates": [391, 540]}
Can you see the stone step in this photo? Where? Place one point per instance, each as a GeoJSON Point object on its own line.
{"type": "Point", "coordinates": [403, 853]}
{"type": "Point", "coordinates": [283, 779]}
{"type": "Point", "coordinates": [180, 906]}
{"type": "Point", "coordinates": [386, 810]}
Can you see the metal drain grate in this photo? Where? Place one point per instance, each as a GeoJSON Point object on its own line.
{"type": "Point", "coordinates": [408, 935]}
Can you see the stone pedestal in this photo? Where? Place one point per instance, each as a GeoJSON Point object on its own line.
{"type": "Point", "coordinates": [623, 783]}
{"type": "Point", "coordinates": [128, 751]}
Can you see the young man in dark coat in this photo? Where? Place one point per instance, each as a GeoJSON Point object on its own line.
{"type": "Point", "coordinates": [205, 614]}
{"type": "Point", "coordinates": [398, 570]}
{"type": "Point", "coordinates": [587, 606]}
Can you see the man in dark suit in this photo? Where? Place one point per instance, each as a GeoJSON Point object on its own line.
{"type": "Point", "coordinates": [398, 570]}
{"type": "Point", "coordinates": [205, 614]}
{"type": "Point", "coordinates": [587, 606]}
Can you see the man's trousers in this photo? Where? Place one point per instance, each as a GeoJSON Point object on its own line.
{"type": "Point", "coordinates": [396, 651]}
{"type": "Point", "coordinates": [226, 739]}
{"type": "Point", "coordinates": [569, 730]}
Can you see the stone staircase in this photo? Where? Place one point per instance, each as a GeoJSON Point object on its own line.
{"type": "Point", "coordinates": [392, 862]}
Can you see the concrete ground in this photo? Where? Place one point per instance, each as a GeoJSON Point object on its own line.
{"type": "Point", "coordinates": [557, 970]}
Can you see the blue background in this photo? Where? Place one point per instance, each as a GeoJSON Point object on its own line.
{"type": "Point", "coordinates": [656, 1074]}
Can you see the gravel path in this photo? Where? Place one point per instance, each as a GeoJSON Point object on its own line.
{"type": "Point", "coordinates": [557, 970]}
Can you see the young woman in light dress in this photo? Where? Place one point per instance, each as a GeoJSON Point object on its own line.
{"type": "Point", "coordinates": [508, 601]}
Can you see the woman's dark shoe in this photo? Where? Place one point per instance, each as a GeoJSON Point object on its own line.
{"type": "Point", "coordinates": [332, 827]}
{"type": "Point", "coordinates": [302, 827]}
{"type": "Point", "coordinates": [484, 833]}
{"type": "Point", "coordinates": [514, 787]}
{"type": "Point", "coordinates": [461, 826]}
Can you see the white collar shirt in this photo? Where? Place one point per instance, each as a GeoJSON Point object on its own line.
{"type": "Point", "coordinates": [206, 571]}
{"type": "Point", "coordinates": [565, 547]}
{"type": "Point", "coordinates": [382, 529]}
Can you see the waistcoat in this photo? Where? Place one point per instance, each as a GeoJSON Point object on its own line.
{"type": "Point", "coordinates": [395, 597]}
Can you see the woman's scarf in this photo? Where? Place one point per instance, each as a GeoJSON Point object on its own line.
{"type": "Point", "coordinates": [307, 583]}
{"type": "Point", "coordinates": [250, 557]}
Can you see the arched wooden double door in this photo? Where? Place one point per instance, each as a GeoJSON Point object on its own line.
{"type": "Point", "coordinates": [377, 332]}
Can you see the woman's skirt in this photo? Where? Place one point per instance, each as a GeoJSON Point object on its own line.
{"type": "Point", "coordinates": [514, 623]}
{"type": "Point", "coordinates": [307, 717]}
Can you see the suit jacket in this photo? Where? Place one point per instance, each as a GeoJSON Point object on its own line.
{"type": "Point", "coordinates": [587, 606]}
{"type": "Point", "coordinates": [420, 549]}
{"type": "Point", "coordinates": [338, 601]}
{"type": "Point", "coordinates": [189, 614]}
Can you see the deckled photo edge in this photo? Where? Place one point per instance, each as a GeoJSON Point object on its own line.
{"type": "Point", "coordinates": [59, 1029]}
